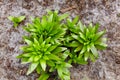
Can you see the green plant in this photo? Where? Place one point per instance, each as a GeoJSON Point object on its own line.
{"type": "Point", "coordinates": [16, 20]}
{"type": "Point", "coordinates": [41, 54]}
{"type": "Point", "coordinates": [49, 26]}
{"type": "Point", "coordinates": [44, 49]}
{"type": "Point", "coordinates": [53, 45]}
{"type": "Point", "coordinates": [84, 41]}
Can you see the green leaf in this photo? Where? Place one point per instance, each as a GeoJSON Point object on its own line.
{"type": "Point", "coordinates": [67, 65]}
{"type": "Point", "coordinates": [36, 58]}
{"type": "Point", "coordinates": [78, 48]}
{"type": "Point", "coordinates": [82, 36]}
{"type": "Point", "coordinates": [45, 57]}
{"type": "Point", "coordinates": [60, 71]}
{"type": "Point", "coordinates": [44, 76]}
{"type": "Point", "coordinates": [19, 56]}
{"type": "Point", "coordinates": [69, 23]}
{"type": "Point", "coordinates": [51, 63]}
{"type": "Point", "coordinates": [21, 18]}
{"type": "Point", "coordinates": [29, 42]}
{"type": "Point", "coordinates": [94, 51]}
{"type": "Point", "coordinates": [101, 46]}
{"type": "Point", "coordinates": [48, 40]}
{"type": "Point", "coordinates": [38, 69]}
{"type": "Point", "coordinates": [24, 60]}
{"type": "Point", "coordinates": [58, 50]}
{"type": "Point", "coordinates": [92, 57]}
{"type": "Point", "coordinates": [83, 50]}
{"type": "Point", "coordinates": [52, 69]}
{"type": "Point", "coordinates": [96, 27]}
{"type": "Point", "coordinates": [77, 38]}
{"type": "Point", "coordinates": [31, 59]}
{"type": "Point", "coordinates": [73, 44]}
{"type": "Point", "coordinates": [41, 39]}
{"type": "Point", "coordinates": [32, 67]}
{"type": "Point", "coordinates": [52, 48]}
{"type": "Point", "coordinates": [75, 20]}
{"type": "Point", "coordinates": [63, 16]}
{"type": "Point", "coordinates": [26, 54]}
{"type": "Point", "coordinates": [15, 25]}
{"type": "Point", "coordinates": [11, 18]}
{"type": "Point", "coordinates": [65, 54]}
{"type": "Point", "coordinates": [47, 46]}
{"type": "Point", "coordinates": [50, 18]}
{"type": "Point", "coordinates": [36, 41]}
{"type": "Point", "coordinates": [43, 44]}
{"type": "Point", "coordinates": [43, 64]}
{"type": "Point", "coordinates": [44, 22]}
{"type": "Point", "coordinates": [81, 26]}
{"type": "Point", "coordinates": [82, 61]}
{"type": "Point", "coordinates": [53, 57]}
{"type": "Point", "coordinates": [98, 35]}
{"type": "Point", "coordinates": [86, 56]}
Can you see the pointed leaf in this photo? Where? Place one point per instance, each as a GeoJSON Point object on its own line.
{"type": "Point", "coordinates": [75, 20]}
{"type": "Point", "coordinates": [73, 44]}
{"type": "Point", "coordinates": [86, 56]}
{"type": "Point", "coordinates": [44, 22]}
{"type": "Point", "coordinates": [81, 26]}
{"type": "Point", "coordinates": [31, 58]}
{"type": "Point", "coordinates": [67, 65]}
{"type": "Point", "coordinates": [11, 18]}
{"type": "Point", "coordinates": [53, 57]}
{"type": "Point", "coordinates": [43, 64]}
{"type": "Point", "coordinates": [60, 71]}
{"type": "Point", "coordinates": [65, 54]}
{"type": "Point", "coordinates": [41, 39]}
{"type": "Point", "coordinates": [82, 36]}
{"type": "Point", "coordinates": [32, 67]}
{"type": "Point", "coordinates": [63, 16]}
{"type": "Point", "coordinates": [26, 54]}
{"type": "Point", "coordinates": [24, 61]}
{"type": "Point", "coordinates": [29, 42]}
{"type": "Point", "coordinates": [52, 48]}
{"type": "Point", "coordinates": [78, 48]}
{"type": "Point", "coordinates": [50, 18]}
{"type": "Point", "coordinates": [38, 69]}
{"type": "Point", "coordinates": [21, 18]}
{"type": "Point", "coordinates": [44, 76]}
{"type": "Point", "coordinates": [94, 51]}
{"type": "Point", "coordinates": [51, 63]}
{"type": "Point", "coordinates": [58, 50]}
{"type": "Point", "coordinates": [98, 35]}
{"type": "Point", "coordinates": [36, 41]}
{"type": "Point", "coordinates": [92, 57]}
{"type": "Point", "coordinates": [36, 58]}
{"type": "Point", "coordinates": [83, 50]}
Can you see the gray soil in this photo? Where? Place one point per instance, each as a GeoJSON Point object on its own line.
{"type": "Point", "coordinates": [106, 12]}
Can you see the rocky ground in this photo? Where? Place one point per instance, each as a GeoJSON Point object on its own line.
{"type": "Point", "coordinates": [106, 12]}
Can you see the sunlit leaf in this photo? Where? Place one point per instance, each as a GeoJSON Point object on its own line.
{"type": "Point", "coordinates": [32, 67]}
{"type": "Point", "coordinates": [43, 64]}
{"type": "Point", "coordinates": [44, 76]}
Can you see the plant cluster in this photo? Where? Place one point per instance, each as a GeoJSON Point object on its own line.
{"type": "Point", "coordinates": [53, 45]}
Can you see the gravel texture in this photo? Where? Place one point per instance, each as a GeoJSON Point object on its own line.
{"type": "Point", "coordinates": [106, 12]}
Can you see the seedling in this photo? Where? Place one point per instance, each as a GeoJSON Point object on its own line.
{"type": "Point", "coordinates": [84, 41]}
{"type": "Point", "coordinates": [16, 20]}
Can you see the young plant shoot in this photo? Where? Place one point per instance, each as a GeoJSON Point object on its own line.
{"type": "Point", "coordinates": [16, 20]}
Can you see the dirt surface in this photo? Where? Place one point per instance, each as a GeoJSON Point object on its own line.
{"type": "Point", "coordinates": [106, 12]}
